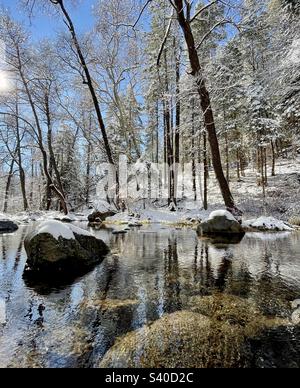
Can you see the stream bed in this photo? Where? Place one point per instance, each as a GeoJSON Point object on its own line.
{"type": "Point", "coordinates": [240, 294]}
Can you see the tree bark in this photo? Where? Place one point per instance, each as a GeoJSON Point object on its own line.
{"type": "Point", "coordinates": [205, 105]}
{"type": "Point", "coordinates": [178, 121]}
{"type": "Point", "coordinates": [273, 158]}
{"type": "Point", "coordinates": [7, 186]}
{"type": "Point", "coordinates": [19, 157]}
{"type": "Point", "coordinates": [205, 180]}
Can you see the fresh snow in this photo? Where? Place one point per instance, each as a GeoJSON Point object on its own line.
{"type": "Point", "coordinates": [221, 213]}
{"type": "Point", "coordinates": [5, 217]}
{"type": "Point", "coordinates": [57, 229]}
{"type": "Point", "coordinates": [267, 223]}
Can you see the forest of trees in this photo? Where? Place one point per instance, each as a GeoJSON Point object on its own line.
{"type": "Point", "coordinates": [215, 84]}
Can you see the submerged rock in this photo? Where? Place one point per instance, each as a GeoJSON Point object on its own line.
{"type": "Point", "coordinates": [225, 307]}
{"type": "Point", "coordinates": [110, 305]}
{"type": "Point", "coordinates": [214, 332]}
{"type": "Point", "coordinates": [221, 223]}
{"type": "Point", "coordinates": [180, 340]}
{"type": "Point", "coordinates": [55, 246]}
{"type": "Point", "coordinates": [8, 226]}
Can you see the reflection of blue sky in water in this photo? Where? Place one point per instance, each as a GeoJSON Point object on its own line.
{"type": "Point", "coordinates": [148, 274]}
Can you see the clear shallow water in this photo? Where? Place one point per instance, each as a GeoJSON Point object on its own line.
{"type": "Point", "coordinates": [150, 272]}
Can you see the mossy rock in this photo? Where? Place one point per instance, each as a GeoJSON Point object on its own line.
{"type": "Point", "coordinates": [225, 308]}
{"type": "Point", "coordinates": [180, 340]}
{"type": "Point", "coordinates": [235, 311]}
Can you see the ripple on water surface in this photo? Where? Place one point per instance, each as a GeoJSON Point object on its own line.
{"type": "Point", "coordinates": [242, 291]}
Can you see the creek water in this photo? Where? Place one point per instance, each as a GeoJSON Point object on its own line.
{"type": "Point", "coordinates": [151, 271]}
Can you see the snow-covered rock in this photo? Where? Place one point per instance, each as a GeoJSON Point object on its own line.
{"type": "Point", "coordinates": [55, 246]}
{"type": "Point", "coordinates": [221, 213]}
{"type": "Point", "coordinates": [265, 224]}
{"type": "Point", "coordinates": [220, 222]}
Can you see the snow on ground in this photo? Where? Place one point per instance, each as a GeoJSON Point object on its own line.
{"type": "Point", "coordinates": [282, 202]}
{"type": "Point", "coordinates": [157, 216]}
{"type": "Point", "coordinates": [58, 229]}
{"type": "Point", "coordinates": [282, 192]}
{"type": "Point", "coordinates": [5, 217]}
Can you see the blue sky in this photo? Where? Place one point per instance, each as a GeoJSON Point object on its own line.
{"type": "Point", "coordinates": [43, 25]}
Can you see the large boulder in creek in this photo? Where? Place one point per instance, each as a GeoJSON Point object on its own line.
{"type": "Point", "coordinates": [99, 217]}
{"type": "Point", "coordinates": [62, 248]}
{"type": "Point", "coordinates": [179, 340]}
{"type": "Point", "coordinates": [8, 226]}
{"type": "Point", "coordinates": [221, 223]}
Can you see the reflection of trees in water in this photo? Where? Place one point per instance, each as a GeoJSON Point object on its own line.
{"type": "Point", "coordinates": [172, 286]}
{"type": "Point", "coordinates": [19, 249]}
{"type": "Point", "coordinates": [224, 271]}
{"type": "Point", "coordinates": [271, 290]}
{"type": "Point", "coordinates": [225, 278]}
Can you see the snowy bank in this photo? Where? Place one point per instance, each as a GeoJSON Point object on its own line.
{"type": "Point", "coordinates": [264, 224]}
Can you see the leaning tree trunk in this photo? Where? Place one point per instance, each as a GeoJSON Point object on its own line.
{"type": "Point", "coordinates": [89, 82]}
{"type": "Point", "coordinates": [205, 105]}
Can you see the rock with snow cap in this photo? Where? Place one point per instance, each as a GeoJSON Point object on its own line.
{"type": "Point", "coordinates": [59, 247]}
{"type": "Point", "coordinates": [220, 222]}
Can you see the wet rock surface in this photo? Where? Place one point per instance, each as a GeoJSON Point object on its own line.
{"type": "Point", "coordinates": [219, 331]}
{"type": "Point", "coordinates": [8, 226]}
{"type": "Point", "coordinates": [64, 255]}
{"type": "Point", "coordinates": [178, 340]}
{"type": "Point", "coordinates": [97, 218]}
{"type": "Point", "coordinates": [221, 224]}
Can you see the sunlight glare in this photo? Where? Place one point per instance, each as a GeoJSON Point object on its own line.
{"type": "Point", "coordinates": [5, 84]}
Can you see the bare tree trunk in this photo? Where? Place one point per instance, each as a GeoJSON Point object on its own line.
{"type": "Point", "coordinates": [238, 166]}
{"type": "Point", "coordinates": [168, 135]}
{"type": "Point", "coordinates": [89, 82]}
{"type": "Point", "coordinates": [273, 158]}
{"type": "Point", "coordinates": [7, 186]}
{"type": "Point", "coordinates": [32, 181]}
{"type": "Point", "coordinates": [178, 121]}
{"type": "Point", "coordinates": [193, 153]}
{"type": "Point", "coordinates": [88, 172]}
{"type": "Point", "coordinates": [205, 178]}
{"type": "Point", "coordinates": [19, 157]}
{"type": "Point", "coordinates": [157, 132]}
{"type": "Point", "coordinates": [227, 157]}
{"type": "Point", "coordinates": [205, 105]}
